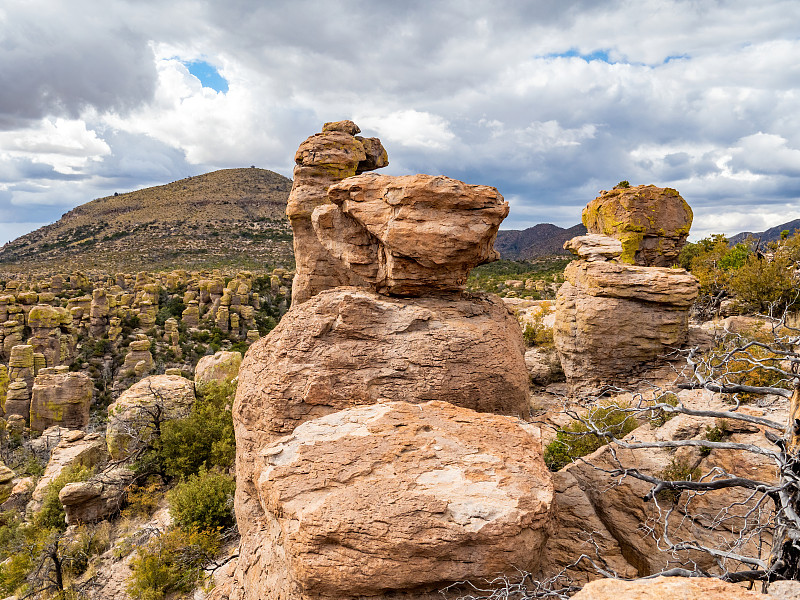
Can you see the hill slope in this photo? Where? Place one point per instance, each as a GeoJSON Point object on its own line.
{"type": "Point", "coordinates": [770, 235]}
{"type": "Point", "coordinates": [540, 240]}
{"type": "Point", "coordinates": [227, 217]}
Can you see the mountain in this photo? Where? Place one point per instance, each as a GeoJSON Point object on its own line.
{"type": "Point", "coordinates": [540, 240]}
{"type": "Point", "coordinates": [770, 235]}
{"type": "Point", "coordinates": [227, 217]}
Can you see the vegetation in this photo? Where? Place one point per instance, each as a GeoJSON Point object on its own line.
{"type": "Point", "coordinates": [544, 275]}
{"type": "Point", "coordinates": [203, 502]}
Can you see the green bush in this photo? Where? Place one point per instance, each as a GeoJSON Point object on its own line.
{"type": "Point", "coordinates": [203, 502]}
{"type": "Point", "coordinates": [171, 563]}
{"type": "Point", "coordinates": [576, 439]}
{"type": "Point", "coordinates": [51, 515]}
{"type": "Point", "coordinates": [676, 470]}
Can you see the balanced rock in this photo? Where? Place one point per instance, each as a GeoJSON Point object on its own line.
{"type": "Point", "coordinates": [667, 588]}
{"type": "Point", "coordinates": [322, 160]}
{"type": "Point", "coordinates": [346, 347]}
{"type": "Point", "coordinates": [98, 498]}
{"type": "Point", "coordinates": [133, 416]}
{"type": "Point", "coordinates": [139, 352]}
{"type": "Point", "coordinates": [18, 400]}
{"type": "Point", "coordinates": [613, 317]}
{"type": "Point", "coordinates": [411, 235]}
{"type": "Point", "coordinates": [651, 222]}
{"type": "Point", "coordinates": [222, 367]}
{"type": "Point", "coordinates": [61, 399]}
{"type": "Point", "coordinates": [396, 498]}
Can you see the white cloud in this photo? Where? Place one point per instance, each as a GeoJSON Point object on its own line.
{"type": "Point", "coordinates": [410, 128]}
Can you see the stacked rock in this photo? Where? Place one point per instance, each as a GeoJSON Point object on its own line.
{"type": "Point", "coordinates": [18, 400]}
{"type": "Point", "coordinates": [611, 316]}
{"type": "Point", "coordinates": [49, 324]}
{"type": "Point", "coordinates": [139, 359]}
{"type": "Point", "coordinates": [99, 313]}
{"type": "Point", "coordinates": [362, 408]}
{"type": "Point", "coordinates": [60, 399]}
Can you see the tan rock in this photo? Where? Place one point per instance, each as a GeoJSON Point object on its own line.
{"type": "Point", "coordinates": [666, 588]}
{"type": "Point", "coordinates": [6, 482]}
{"type": "Point", "coordinates": [394, 498]}
{"type": "Point", "coordinates": [594, 247]}
{"type": "Point", "coordinates": [139, 351]}
{"type": "Point", "coordinates": [324, 159]}
{"type": "Point", "coordinates": [611, 318]}
{"type": "Point", "coordinates": [349, 347]}
{"type": "Point", "coordinates": [98, 498]}
{"type": "Point", "coordinates": [132, 417]}
{"type": "Point", "coordinates": [652, 223]}
{"type": "Point", "coordinates": [222, 367]}
{"type": "Point", "coordinates": [61, 399]}
{"type": "Point", "coordinates": [410, 235]}
{"type": "Point", "coordinates": [18, 400]}
{"type": "Point", "coordinates": [20, 494]}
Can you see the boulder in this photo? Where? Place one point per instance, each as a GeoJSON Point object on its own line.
{"type": "Point", "coordinates": [611, 318]}
{"type": "Point", "coordinates": [322, 160]}
{"type": "Point", "coordinates": [18, 400]}
{"type": "Point", "coordinates": [412, 235]}
{"type": "Point", "coordinates": [138, 352]}
{"type": "Point", "coordinates": [98, 498]}
{"type": "Point", "coordinates": [222, 367]}
{"type": "Point", "coordinates": [594, 247]}
{"type": "Point", "coordinates": [347, 347]}
{"type": "Point", "coordinates": [20, 494]}
{"type": "Point", "coordinates": [133, 416]}
{"type": "Point", "coordinates": [666, 588]}
{"type": "Point", "coordinates": [61, 399]}
{"type": "Point", "coordinates": [651, 222]}
{"type": "Point", "coordinates": [393, 498]}
{"type": "Point", "coordinates": [6, 482]}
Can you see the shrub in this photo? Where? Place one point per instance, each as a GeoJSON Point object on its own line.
{"type": "Point", "coordinates": [203, 502]}
{"type": "Point", "coordinates": [171, 562]}
{"type": "Point", "coordinates": [51, 515]}
{"type": "Point", "coordinates": [577, 439]}
{"type": "Point", "coordinates": [677, 470]}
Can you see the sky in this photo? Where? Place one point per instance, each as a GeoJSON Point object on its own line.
{"type": "Point", "coordinates": [550, 101]}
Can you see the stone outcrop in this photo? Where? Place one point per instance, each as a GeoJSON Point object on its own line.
{"type": "Point", "coordinates": [667, 588]}
{"type": "Point", "coordinates": [6, 482]}
{"type": "Point", "coordinates": [18, 400]}
{"type": "Point", "coordinates": [397, 497]}
{"type": "Point", "coordinates": [347, 347]}
{"type": "Point", "coordinates": [139, 359]}
{"type": "Point", "coordinates": [98, 498]}
{"type": "Point", "coordinates": [133, 416]}
{"type": "Point", "coordinates": [613, 317]}
{"type": "Point", "coordinates": [222, 367]}
{"type": "Point", "coordinates": [651, 222]}
{"type": "Point", "coordinates": [410, 235]}
{"type": "Point", "coordinates": [60, 399]}
{"type": "Point", "coordinates": [322, 160]}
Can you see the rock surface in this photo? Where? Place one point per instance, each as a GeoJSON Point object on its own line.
{"type": "Point", "coordinates": [411, 235]}
{"type": "Point", "coordinates": [396, 497]}
{"type": "Point", "coordinates": [222, 367]}
{"type": "Point", "coordinates": [651, 222]}
{"type": "Point", "coordinates": [594, 247]}
{"type": "Point", "coordinates": [6, 482]}
{"type": "Point", "coordinates": [612, 317]}
{"type": "Point", "coordinates": [132, 417]}
{"type": "Point", "coordinates": [322, 160]}
{"type": "Point", "coordinates": [61, 399]}
{"type": "Point", "coordinates": [666, 588]}
{"type": "Point", "coordinates": [98, 498]}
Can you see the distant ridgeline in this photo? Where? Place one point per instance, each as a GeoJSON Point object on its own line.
{"type": "Point", "coordinates": [228, 218]}
{"type": "Point", "coordinates": [537, 241]}
{"type": "Point", "coordinates": [770, 235]}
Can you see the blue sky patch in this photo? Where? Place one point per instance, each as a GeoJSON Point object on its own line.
{"type": "Point", "coordinates": [208, 75]}
{"type": "Point", "coordinates": [601, 55]}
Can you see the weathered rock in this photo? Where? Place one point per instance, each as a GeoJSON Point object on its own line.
{"type": "Point", "coordinates": [222, 367]}
{"type": "Point", "coordinates": [611, 318]}
{"type": "Point", "coordinates": [18, 400]}
{"type": "Point", "coordinates": [543, 365]}
{"type": "Point", "coordinates": [20, 494]}
{"type": "Point", "coordinates": [4, 383]}
{"type": "Point", "coordinates": [75, 451]}
{"type": "Point", "coordinates": [349, 347]}
{"type": "Point", "coordinates": [594, 247]}
{"type": "Point", "coordinates": [396, 498]}
{"type": "Point", "coordinates": [61, 399]}
{"type": "Point", "coordinates": [412, 235]}
{"type": "Point", "coordinates": [666, 588]}
{"type": "Point", "coordinates": [98, 498]}
{"type": "Point", "coordinates": [139, 351]}
{"type": "Point", "coordinates": [322, 160]}
{"type": "Point", "coordinates": [6, 482]}
{"type": "Point", "coordinates": [652, 223]}
{"type": "Point", "coordinates": [132, 418]}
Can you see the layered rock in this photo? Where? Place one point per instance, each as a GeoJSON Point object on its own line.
{"type": "Point", "coordinates": [18, 400]}
{"type": "Point", "coordinates": [98, 498]}
{"type": "Point", "coordinates": [60, 399]}
{"type": "Point", "coordinates": [667, 588]}
{"type": "Point", "coordinates": [613, 317]}
{"type": "Point", "coordinates": [651, 222]}
{"type": "Point", "coordinates": [6, 482]}
{"type": "Point", "coordinates": [133, 417]}
{"type": "Point", "coordinates": [221, 367]}
{"type": "Point", "coordinates": [49, 325]}
{"type": "Point", "coordinates": [348, 347]}
{"type": "Point", "coordinates": [411, 235]}
{"type": "Point", "coordinates": [322, 160]}
{"type": "Point", "coordinates": [396, 497]}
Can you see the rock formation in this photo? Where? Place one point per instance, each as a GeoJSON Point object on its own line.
{"type": "Point", "coordinates": [652, 223]}
{"type": "Point", "coordinates": [6, 482]}
{"type": "Point", "coordinates": [322, 160]}
{"type": "Point", "coordinates": [222, 367]}
{"type": "Point", "coordinates": [390, 498]}
{"type": "Point", "coordinates": [96, 499]}
{"type": "Point", "coordinates": [135, 414]}
{"type": "Point", "coordinates": [667, 588]}
{"type": "Point", "coordinates": [60, 399]}
{"type": "Point", "coordinates": [613, 317]}
{"type": "Point", "coordinates": [396, 496]}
